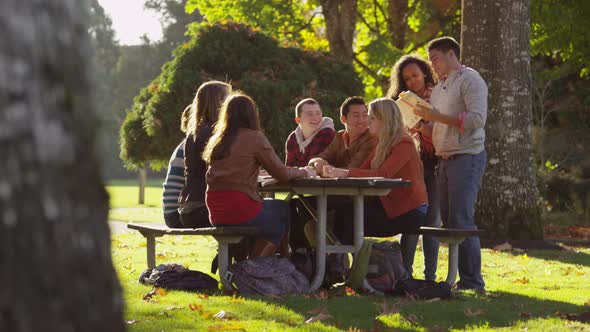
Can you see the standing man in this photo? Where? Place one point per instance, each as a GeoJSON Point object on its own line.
{"type": "Point", "coordinates": [459, 113]}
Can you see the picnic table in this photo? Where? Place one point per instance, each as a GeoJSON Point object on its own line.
{"type": "Point", "coordinates": [357, 188]}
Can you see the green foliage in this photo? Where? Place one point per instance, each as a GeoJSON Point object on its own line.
{"type": "Point", "coordinates": [276, 77]}
{"type": "Point", "coordinates": [561, 28]}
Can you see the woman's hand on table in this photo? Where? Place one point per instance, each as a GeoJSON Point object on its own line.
{"type": "Point", "coordinates": [330, 171]}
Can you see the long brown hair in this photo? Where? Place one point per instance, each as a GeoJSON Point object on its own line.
{"type": "Point", "coordinates": [238, 111]}
{"type": "Point", "coordinates": [386, 110]}
{"type": "Point", "coordinates": [206, 104]}
{"type": "Point", "coordinates": [397, 83]}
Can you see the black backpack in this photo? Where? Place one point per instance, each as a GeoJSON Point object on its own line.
{"type": "Point", "coordinates": [422, 289]}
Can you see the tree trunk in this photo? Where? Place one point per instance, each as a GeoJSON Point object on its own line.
{"type": "Point", "coordinates": [142, 183]}
{"type": "Point", "coordinates": [495, 42]}
{"type": "Point", "coordinates": [397, 22]}
{"type": "Point", "coordinates": [340, 17]}
{"type": "Point", "coordinates": [57, 272]}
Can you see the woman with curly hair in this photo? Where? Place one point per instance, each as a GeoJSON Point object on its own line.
{"type": "Point", "coordinates": [413, 73]}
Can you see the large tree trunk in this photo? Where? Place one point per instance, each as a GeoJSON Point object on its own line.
{"type": "Point", "coordinates": [495, 42]}
{"type": "Point", "coordinates": [57, 273]}
{"type": "Point", "coordinates": [340, 17]}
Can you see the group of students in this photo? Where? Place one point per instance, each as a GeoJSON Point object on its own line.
{"type": "Point", "coordinates": [212, 176]}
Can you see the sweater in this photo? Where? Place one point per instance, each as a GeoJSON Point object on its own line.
{"type": "Point", "coordinates": [402, 162]}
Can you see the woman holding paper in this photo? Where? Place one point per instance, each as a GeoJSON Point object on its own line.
{"type": "Point", "coordinates": [412, 73]}
{"type": "Point", "coordinates": [403, 210]}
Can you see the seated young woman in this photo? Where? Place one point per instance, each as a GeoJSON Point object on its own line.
{"type": "Point", "coordinates": [403, 210]}
{"type": "Point", "coordinates": [235, 153]}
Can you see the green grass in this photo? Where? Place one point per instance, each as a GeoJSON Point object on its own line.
{"type": "Point", "coordinates": [525, 291]}
{"type": "Point", "coordinates": [124, 196]}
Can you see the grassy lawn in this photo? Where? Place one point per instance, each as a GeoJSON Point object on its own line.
{"type": "Point", "coordinates": [532, 290]}
{"type": "Point", "coordinates": [124, 196]}
{"type": "Point", "coordinates": [526, 291]}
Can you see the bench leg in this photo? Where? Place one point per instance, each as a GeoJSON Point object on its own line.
{"type": "Point", "coordinates": [453, 262]}
{"type": "Point", "coordinates": [223, 261]}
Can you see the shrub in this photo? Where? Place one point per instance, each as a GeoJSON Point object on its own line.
{"type": "Point", "coordinates": [276, 77]}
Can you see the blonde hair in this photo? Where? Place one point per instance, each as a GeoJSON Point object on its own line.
{"type": "Point", "coordinates": [386, 110]}
{"type": "Point", "coordinates": [206, 104]}
{"type": "Point", "coordinates": [238, 111]}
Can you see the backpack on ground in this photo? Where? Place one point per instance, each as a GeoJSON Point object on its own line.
{"type": "Point", "coordinates": [174, 276]}
{"type": "Point", "coordinates": [377, 267]}
{"type": "Point", "coordinates": [423, 289]}
{"type": "Point", "coordinates": [267, 276]}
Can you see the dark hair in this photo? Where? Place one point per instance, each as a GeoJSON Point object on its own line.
{"type": "Point", "coordinates": [354, 100]}
{"type": "Point", "coordinates": [444, 44]}
{"type": "Point", "coordinates": [238, 111]}
{"type": "Point", "coordinates": [397, 83]}
{"type": "Point", "coordinates": [206, 104]}
{"type": "Point", "coordinates": [306, 101]}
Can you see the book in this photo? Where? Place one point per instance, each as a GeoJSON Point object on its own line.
{"type": "Point", "coordinates": [407, 102]}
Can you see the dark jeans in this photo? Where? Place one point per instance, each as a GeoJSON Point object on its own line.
{"type": "Point", "coordinates": [376, 222]}
{"type": "Point", "coordinates": [273, 220]}
{"type": "Point", "coordinates": [430, 244]}
{"type": "Point", "coordinates": [459, 181]}
{"type": "Point", "coordinates": [198, 218]}
{"type": "Point", "coordinates": [173, 220]}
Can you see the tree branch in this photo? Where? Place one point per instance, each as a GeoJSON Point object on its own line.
{"type": "Point", "coordinates": [379, 79]}
{"type": "Point", "coordinates": [303, 27]}
{"type": "Point", "coordinates": [372, 29]}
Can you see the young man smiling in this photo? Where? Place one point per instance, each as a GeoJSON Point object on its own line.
{"type": "Point", "coordinates": [312, 135]}
{"type": "Point", "coordinates": [352, 145]}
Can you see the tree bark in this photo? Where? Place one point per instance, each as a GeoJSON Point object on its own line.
{"type": "Point", "coordinates": [340, 17]}
{"type": "Point", "coordinates": [397, 22]}
{"type": "Point", "coordinates": [495, 42]}
{"type": "Point", "coordinates": [57, 272]}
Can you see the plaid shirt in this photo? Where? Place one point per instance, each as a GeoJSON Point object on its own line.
{"type": "Point", "coordinates": [295, 158]}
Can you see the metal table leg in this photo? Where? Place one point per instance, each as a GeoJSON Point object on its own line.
{"type": "Point", "coordinates": [320, 242]}
{"type": "Point", "coordinates": [359, 226]}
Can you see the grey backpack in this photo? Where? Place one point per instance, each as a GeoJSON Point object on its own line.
{"type": "Point", "coordinates": [267, 276]}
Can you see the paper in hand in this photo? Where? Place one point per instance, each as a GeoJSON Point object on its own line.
{"type": "Point", "coordinates": [407, 102]}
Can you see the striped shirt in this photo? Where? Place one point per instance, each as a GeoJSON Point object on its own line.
{"type": "Point", "coordinates": [174, 180]}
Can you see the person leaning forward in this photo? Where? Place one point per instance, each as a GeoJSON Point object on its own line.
{"type": "Point", "coordinates": [351, 146]}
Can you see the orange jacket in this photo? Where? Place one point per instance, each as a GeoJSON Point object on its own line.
{"type": "Point", "coordinates": [403, 162]}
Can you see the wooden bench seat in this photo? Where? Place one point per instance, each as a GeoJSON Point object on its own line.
{"type": "Point", "coordinates": [223, 235]}
{"type": "Point", "coordinates": [453, 237]}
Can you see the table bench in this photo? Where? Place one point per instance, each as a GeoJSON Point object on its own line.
{"type": "Point", "coordinates": [453, 237]}
{"type": "Point", "coordinates": [223, 235]}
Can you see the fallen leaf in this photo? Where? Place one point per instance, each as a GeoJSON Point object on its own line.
{"type": "Point", "coordinates": [350, 291]}
{"type": "Point", "coordinates": [472, 313]}
{"type": "Point", "coordinates": [353, 329]}
{"type": "Point", "coordinates": [554, 287]}
{"type": "Point", "coordinates": [433, 300]}
{"type": "Point", "coordinates": [149, 296]}
{"type": "Point", "coordinates": [195, 307]}
{"type": "Point", "coordinates": [523, 280]}
{"type": "Point", "coordinates": [161, 292]}
{"type": "Point", "coordinates": [131, 322]}
{"type": "Point", "coordinates": [583, 317]}
{"type": "Point", "coordinates": [204, 296]}
{"type": "Point", "coordinates": [502, 247]}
